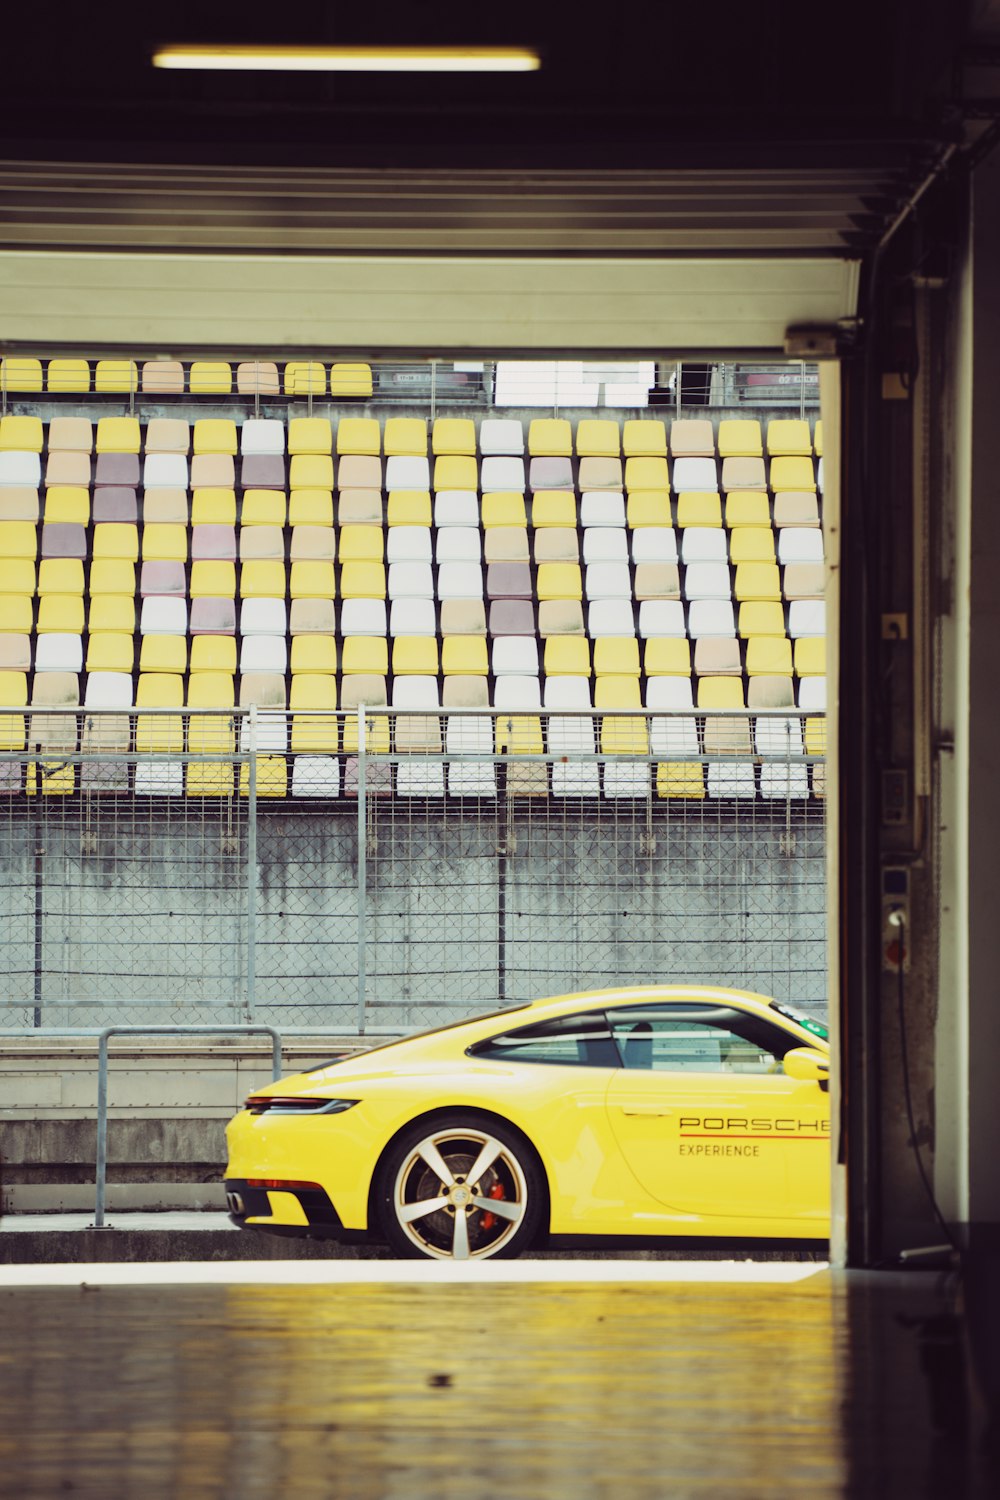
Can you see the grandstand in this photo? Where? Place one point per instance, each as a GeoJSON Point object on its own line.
{"type": "Point", "coordinates": [155, 556]}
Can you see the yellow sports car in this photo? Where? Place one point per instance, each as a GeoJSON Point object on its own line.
{"type": "Point", "coordinates": [669, 1111]}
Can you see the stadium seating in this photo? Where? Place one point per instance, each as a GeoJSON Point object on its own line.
{"type": "Point", "coordinates": [202, 561]}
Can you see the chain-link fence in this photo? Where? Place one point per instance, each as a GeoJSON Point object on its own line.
{"type": "Point", "coordinates": [383, 870]}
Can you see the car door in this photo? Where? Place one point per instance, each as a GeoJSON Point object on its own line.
{"type": "Point", "coordinates": [706, 1119]}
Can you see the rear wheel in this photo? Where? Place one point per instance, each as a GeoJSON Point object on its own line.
{"type": "Point", "coordinates": [460, 1188]}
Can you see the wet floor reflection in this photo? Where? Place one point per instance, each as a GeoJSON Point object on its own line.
{"type": "Point", "coordinates": [413, 1391]}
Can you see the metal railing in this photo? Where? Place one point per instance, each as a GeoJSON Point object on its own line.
{"type": "Point", "coordinates": [386, 868]}
{"type": "Point", "coordinates": [429, 385]}
{"type": "Point", "coordinates": [102, 1083]}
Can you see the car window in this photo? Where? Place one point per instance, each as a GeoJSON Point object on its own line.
{"type": "Point", "coordinates": [697, 1039]}
{"type": "Point", "coordinates": [575, 1041]}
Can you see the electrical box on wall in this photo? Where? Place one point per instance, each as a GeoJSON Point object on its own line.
{"type": "Point", "coordinates": [895, 919]}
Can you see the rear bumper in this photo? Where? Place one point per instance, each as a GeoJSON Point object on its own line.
{"type": "Point", "coordinates": [299, 1212]}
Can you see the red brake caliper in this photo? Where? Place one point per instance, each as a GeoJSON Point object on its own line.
{"type": "Point", "coordinates": [488, 1219]}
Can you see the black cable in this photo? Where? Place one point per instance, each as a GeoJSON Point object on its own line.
{"type": "Point", "coordinates": [907, 1093]}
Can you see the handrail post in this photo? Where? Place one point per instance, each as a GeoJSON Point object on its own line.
{"type": "Point", "coordinates": [362, 863]}
{"type": "Point", "coordinates": [101, 1171]}
{"type": "Point", "coordinates": [251, 995]}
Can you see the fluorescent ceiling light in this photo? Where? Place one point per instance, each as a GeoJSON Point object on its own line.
{"type": "Point", "coordinates": [352, 59]}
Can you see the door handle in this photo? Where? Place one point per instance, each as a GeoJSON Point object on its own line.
{"type": "Point", "coordinates": [648, 1110]}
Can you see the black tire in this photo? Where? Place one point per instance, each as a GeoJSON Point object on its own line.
{"type": "Point", "coordinates": [498, 1214]}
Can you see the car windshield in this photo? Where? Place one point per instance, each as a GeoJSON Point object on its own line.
{"type": "Point", "coordinates": [489, 1015]}
{"type": "Point", "coordinates": [803, 1019]}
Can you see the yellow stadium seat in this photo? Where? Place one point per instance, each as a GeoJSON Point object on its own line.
{"type": "Point", "coordinates": [117, 540]}
{"type": "Point", "coordinates": [362, 580]}
{"type": "Point", "coordinates": [20, 374]}
{"type": "Point", "coordinates": [761, 617]}
{"type": "Point", "coordinates": [680, 778]}
{"type": "Point", "coordinates": [215, 435]}
{"type": "Point", "coordinates": [415, 655]}
{"type": "Point", "coordinates": [56, 778]}
{"type": "Point", "coordinates": [644, 437]}
{"type": "Point", "coordinates": [699, 508]}
{"type": "Point", "coordinates": [646, 473]}
{"type": "Point", "coordinates": [314, 653]}
{"type": "Point", "coordinates": [310, 508]}
{"type": "Point", "coordinates": [312, 579]}
{"type": "Point", "coordinates": [567, 656]}
{"type": "Point", "coordinates": [361, 544]}
{"type": "Point", "coordinates": [810, 656]}
{"type": "Point", "coordinates": [747, 508]}
{"type": "Point", "coordinates": [621, 736]}
{"type": "Point", "coordinates": [305, 377]}
{"type": "Point", "coordinates": [739, 437]}
{"type": "Point", "coordinates": [60, 614]}
{"type": "Point", "coordinates": [116, 375]}
{"type": "Point", "coordinates": [213, 580]}
{"type": "Point", "coordinates": [211, 690]}
{"type": "Point", "coordinates": [68, 376]}
{"type": "Point", "coordinates": [464, 656]}
{"type": "Point", "coordinates": [757, 581]}
{"type": "Point", "coordinates": [113, 576]}
{"type": "Point", "coordinates": [815, 733]}
{"type": "Point", "coordinates": [163, 653]}
{"type": "Point", "coordinates": [213, 654]}
{"type": "Point", "coordinates": [60, 575]}
{"type": "Point", "coordinates": [792, 473]}
{"type": "Point", "coordinates": [164, 542]}
{"type": "Point", "coordinates": [213, 507]}
{"type": "Point", "coordinates": [271, 776]}
{"type": "Point", "coordinates": [311, 471]}
{"type": "Point", "coordinates": [210, 378]}
{"type": "Point", "coordinates": [617, 690]}
{"type": "Point", "coordinates": [408, 507]}
{"type": "Point", "coordinates": [720, 692]}
{"type": "Point", "coordinates": [351, 380]}
{"type": "Point", "coordinates": [788, 436]}
{"type": "Point", "coordinates": [159, 733]}
{"type": "Point", "coordinates": [519, 734]}
{"type": "Point", "coordinates": [550, 436]}
{"type": "Point", "coordinates": [310, 435]}
{"type": "Point", "coordinates": [13, 693]}
{"type": "Point", "coordinates": [358, 435]}
{"type": "Point", "coordinates": [405, 436]}
{"type": "Point", "coordinates": [263, 578]}
{"type": "Point", "coordinates": [667, 656]}
{"type": "Point", "coordinates": [18, 539]}
{"type": "Point", "coordinates": [598, 438]}
{"type": "Point", "coordinates": [504, 508]}
{"type": "Point", "coordinates": [376, 725]}
{"type": "Point", "coordinates": [365, 654]}
{"type": "Point", "coordinates": [111, 612]}
{"type": "Point", "coordinates": [208, 778]}
{"type": "Point", "coordinates": [317, 732]}
{"type": "Point", "coordinates": [118, 435]}
{"type": "Point", "coordinates": [23, 434]}
{"type": "Point", "coordinates": [68, 502]}
{"type": "Point", "coordinates": [263, 508]}
{"type": "Point", "coordinates": [818, 437]}
{"type": "Point", "coordinates": [648, 508]}
{"type": "Point", "coordinates": [559, 580]}
{"type": "Point", "coordinates": [455, 471]}
{"type": "Point", "coordinates": [17, 575]}
{"type": "Point", "coordinates": [16, 614]}
{"type": "Point", "coordinates": [553, 508]}
{"type": "Point", "coordinates": [768, 655]}
{"type": "Point", "coordinates": [453, 435]}
{"type": "Point", "coordinates": [751, 544]}
{"type": "Point", "coordinates": [618, 655]}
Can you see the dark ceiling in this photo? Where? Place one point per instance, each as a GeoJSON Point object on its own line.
{"type": "Point", "coordinates": [660, 128]}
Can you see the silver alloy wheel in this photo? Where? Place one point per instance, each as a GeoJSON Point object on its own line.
{"type": "Point", "coordinates": [460, 1194]}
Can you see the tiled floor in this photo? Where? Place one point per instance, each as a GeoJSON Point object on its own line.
{"type": "Point", "coordinates": [365, 1381]}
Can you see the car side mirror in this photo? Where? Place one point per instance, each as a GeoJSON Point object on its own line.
{"type": "Point", "coordinates": [807, 1066]}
